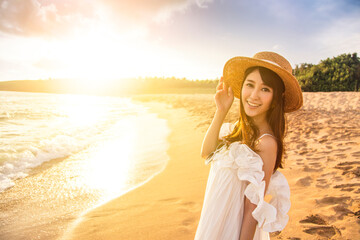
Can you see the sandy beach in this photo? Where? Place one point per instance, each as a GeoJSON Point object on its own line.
{"type": "Point", "coordinates": [322, 166]}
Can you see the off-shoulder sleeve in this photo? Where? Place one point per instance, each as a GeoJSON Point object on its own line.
{"type": "Point", "coordinates": [272, 216]}
{"type": "Point", "coordinates": [226, 129]}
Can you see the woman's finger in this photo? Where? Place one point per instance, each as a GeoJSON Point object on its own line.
{"type": "Point", "coordinates": [230, 92]}
{"type": "Point", "coordinates": [219, 86]}
{"type": "Point", "coordinates": [225, 87]}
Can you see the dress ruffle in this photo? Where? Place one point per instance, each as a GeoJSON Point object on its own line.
{"type": "Point", "coordinates": [270, 216]}
{"type": "Point", "coordinates": [226, 129]}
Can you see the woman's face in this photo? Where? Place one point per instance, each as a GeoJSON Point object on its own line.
{"type": "Point", "coordinates": [256, 97]}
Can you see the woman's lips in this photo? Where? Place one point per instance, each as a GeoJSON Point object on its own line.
{"type": "Point", "coordinates": [254, 105]}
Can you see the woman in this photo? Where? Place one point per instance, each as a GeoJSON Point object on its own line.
{"type": "Point", "coordinates": [244, 165]}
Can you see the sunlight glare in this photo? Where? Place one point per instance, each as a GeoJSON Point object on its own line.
{"type": "Point", "coordinates": [108, 169]}
{"type": "Point", "coordinates": [83, 111]}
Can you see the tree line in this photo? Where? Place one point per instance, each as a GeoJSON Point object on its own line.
{"type": "Point", "coordinates": [341, 73]}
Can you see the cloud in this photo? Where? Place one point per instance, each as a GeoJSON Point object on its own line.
{"type": "Point", "coordinates": [340, 30]}
{"type": "Point", "coordinates": [203, 3]}
{"type": "Point", "coordinates": [142, 13]}
{"type": "Point", "coordinates": [276, 47]}
{"type": "Point", "coordinates": [280, 9]}
{"type": "Point", "coordinates": [342, 36]}
{"type": "Point", "coordinates": [61, 17]}
{"type": "Point", "coordinates": [42, 18]}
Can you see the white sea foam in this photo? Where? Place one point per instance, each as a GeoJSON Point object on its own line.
{"type": "Point", "coordinates": [19, 164]}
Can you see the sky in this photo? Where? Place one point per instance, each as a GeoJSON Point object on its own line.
{"type": "Point", "coordinates": [100, 40]}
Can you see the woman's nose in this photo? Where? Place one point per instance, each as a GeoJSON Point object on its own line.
{"type": "Point", "coordinates": [254, 93]}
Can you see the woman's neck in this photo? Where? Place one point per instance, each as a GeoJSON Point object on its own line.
{"type": "Point", "coordinates": [262, 125]}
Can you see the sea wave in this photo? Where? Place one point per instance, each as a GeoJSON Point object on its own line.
{"type": "Point", "coordinates": [18, 164]}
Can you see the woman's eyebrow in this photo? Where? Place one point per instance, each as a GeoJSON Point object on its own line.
{"type": "Point", "coordinates": [249, 80]}
{"type": "Point", "coordinates": [252, 81]}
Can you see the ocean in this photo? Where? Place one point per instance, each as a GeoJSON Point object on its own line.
{"type": "Point", "coordinates": [62, 155]}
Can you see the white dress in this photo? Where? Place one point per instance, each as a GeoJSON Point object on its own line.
{"type": "Point", "coordinates": [237, 172]}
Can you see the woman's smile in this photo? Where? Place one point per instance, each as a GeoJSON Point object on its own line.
{"type": "Point", "coordinates": [254, 105]}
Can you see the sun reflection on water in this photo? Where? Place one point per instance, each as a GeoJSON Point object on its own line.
{"type": "Point", "coordinates": [83, 110]}
{"type": "Point", "coordinates": [105, 164]}
{"type": "Point", "coordinates": [108, 168]}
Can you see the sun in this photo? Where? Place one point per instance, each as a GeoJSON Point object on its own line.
{"type": "Point", "coordinates": [92, 57]}
{"type": "Point", "coordinates": [95, 55]}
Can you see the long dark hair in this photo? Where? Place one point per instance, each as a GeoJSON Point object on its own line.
{"type": "Point", "coordinates": [245, 130]}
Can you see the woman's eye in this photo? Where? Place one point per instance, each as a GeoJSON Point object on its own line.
{"type": "Point", "coordinates": [249, 85]}
{"type": "Point", "coordinates": [266, 90]}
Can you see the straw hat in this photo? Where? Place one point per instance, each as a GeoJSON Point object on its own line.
{"type": "Point", "coordinates": [235, 68]}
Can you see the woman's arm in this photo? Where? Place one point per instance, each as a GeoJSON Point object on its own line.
{"type": "Point", "coordinates": [267, 151]}
{"type": "Point", "coordinates": [224, 97]}
{"type": "Point", "coordinates": [248, 223]}
{"type": "Point", "coordinates": [211, 137]}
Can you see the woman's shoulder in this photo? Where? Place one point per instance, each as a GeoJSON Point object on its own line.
{"type": "Point", "coordinates": [266, 134]}
{"type": "Point", "coordinates": [267, 143]}
{"type": "Point", "coordinates": [267, 150]}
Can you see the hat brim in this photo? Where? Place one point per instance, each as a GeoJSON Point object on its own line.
{"type": "Point", "coordinates": [233, 75]}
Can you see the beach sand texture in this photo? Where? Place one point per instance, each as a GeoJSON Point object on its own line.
{"type": "Point", "coordinates": [322, 166]}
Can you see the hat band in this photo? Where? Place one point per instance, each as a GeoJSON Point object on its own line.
{"type": "Point", "coordinates": [274, 63]}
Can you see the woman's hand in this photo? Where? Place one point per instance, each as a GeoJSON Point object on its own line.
{"type": "Point", "coordinates": [224, 96]}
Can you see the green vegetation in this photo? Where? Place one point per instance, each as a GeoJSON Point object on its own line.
{"type": "Point", "coordinates": [341, 73]}
{"type": "Point", "coordinates": [172, 84]}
